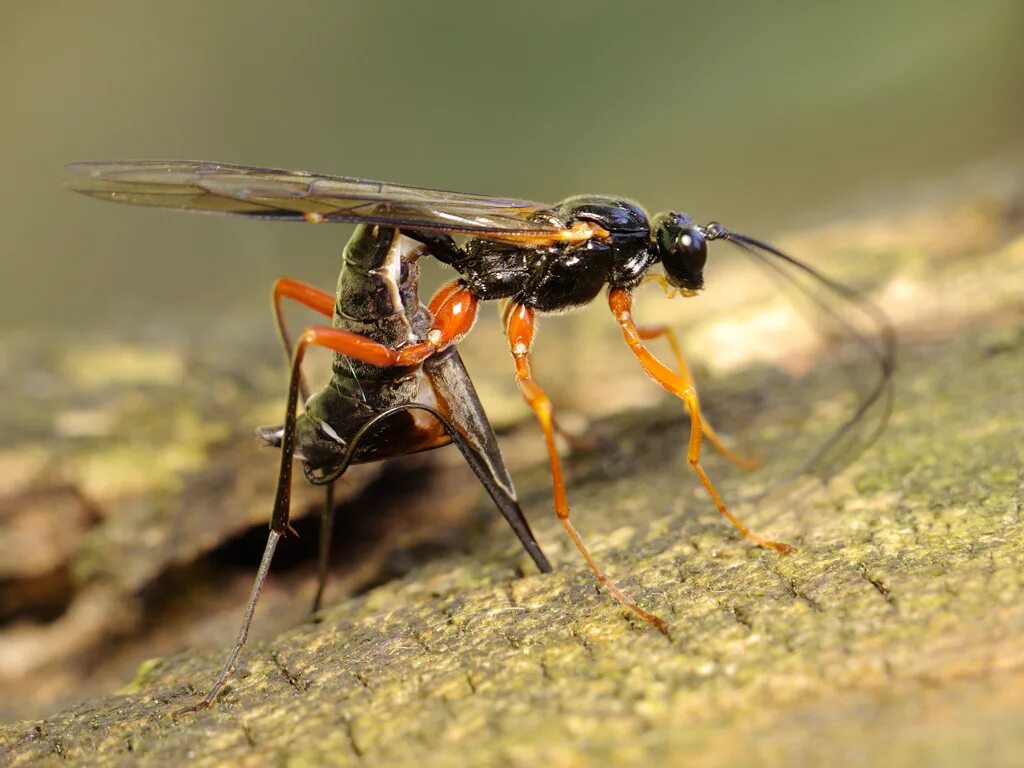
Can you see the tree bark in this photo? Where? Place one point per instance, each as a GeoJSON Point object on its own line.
{"type": "Point", "coordinates": [891, 634]}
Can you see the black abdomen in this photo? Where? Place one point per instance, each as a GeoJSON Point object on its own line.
{"type": "Point", "coordinates": [377, 298]}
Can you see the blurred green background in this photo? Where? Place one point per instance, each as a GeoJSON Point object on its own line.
{"type": "Point", "coordinates": [768, 116]}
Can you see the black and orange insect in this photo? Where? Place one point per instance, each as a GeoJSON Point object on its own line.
{"type": "Point", "coordinates": [399, 385]}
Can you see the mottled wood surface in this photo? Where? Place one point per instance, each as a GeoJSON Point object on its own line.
{"type": "Point", "coordinates": [890, 636]}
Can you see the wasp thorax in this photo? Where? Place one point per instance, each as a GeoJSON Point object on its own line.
{"type": "Point", "coordinates": [683, 249]}
{"type": "Point", "coordinates": [628, 245]}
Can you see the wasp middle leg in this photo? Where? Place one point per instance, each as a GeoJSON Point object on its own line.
{"type": "Point", "coordinates": [520, 328]}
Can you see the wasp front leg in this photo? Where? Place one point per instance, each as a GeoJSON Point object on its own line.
{"type": "Point", "coordinates": [621, 303]}
{"type": "Point", "coordinates": [648, 332]}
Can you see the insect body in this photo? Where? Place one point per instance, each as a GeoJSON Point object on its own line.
{"type": "Point", "coordinates": [398, 383]}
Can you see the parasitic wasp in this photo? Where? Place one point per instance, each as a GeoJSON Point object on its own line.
{"type": "Point", "coordinates": [399, 385]}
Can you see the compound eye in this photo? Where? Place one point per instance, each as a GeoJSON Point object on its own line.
{"type": "Point", "coordinates": [692, 250]}
{"type": "Point", "coordinates": [682, 248]}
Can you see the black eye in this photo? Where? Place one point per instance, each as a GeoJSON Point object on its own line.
{"type": "Point", "coordinates": [682, 249]}
{"type": "Point", "coordinates": [684, 258]}
{"type": "Point", "coordinates": [692, 250]}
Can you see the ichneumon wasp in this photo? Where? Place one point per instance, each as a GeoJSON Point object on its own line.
{"type": "Point", "coordinates": [399, 385]}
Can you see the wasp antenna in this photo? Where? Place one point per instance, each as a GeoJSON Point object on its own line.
{"type": "Point", "coordinates": [879, 342]}
{"type": "Point", "coordinates": [714, 231]}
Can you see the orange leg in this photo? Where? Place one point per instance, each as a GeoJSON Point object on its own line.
{"type": "Point", "coordinates": [519, 327]}
{"type": "Point", "coordinates": [323, 303]}
{"type": "Point", "coordinates": [648, 332]}
{"type": "Point", "coordinates": [621, 304]}
{"type": "Point", "coordinates": [453, 309]}
{"type": "Point", "coordinates": [308, 296]}
{"type": "Point", "coordinates": [576, 442]}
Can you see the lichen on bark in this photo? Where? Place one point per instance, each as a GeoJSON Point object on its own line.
{"type": "Point", "coordinates": [889, 636]}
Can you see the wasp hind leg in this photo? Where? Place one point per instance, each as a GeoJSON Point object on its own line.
{"type": "Point", "coordinates": [278, 525]}
{"type": "Point", "coordinates": [321, 302]}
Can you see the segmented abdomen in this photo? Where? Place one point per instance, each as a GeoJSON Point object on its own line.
{"type": "Point", "coordinates": [377, 297]}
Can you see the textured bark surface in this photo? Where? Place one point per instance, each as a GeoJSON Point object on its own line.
{"type": "Point", "coordinates": [134, 495]}
{"type": "Point", "coordinates": [890, 635]}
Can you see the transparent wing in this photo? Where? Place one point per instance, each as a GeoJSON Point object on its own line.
{"type": "Point", "coordinates": [858, 335]}
{"type": "Point", "coordinates": [270, 193]}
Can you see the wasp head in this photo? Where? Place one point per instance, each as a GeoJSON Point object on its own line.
{"type": "Point", "coordinates": [683, 249]}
